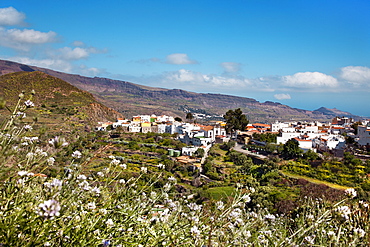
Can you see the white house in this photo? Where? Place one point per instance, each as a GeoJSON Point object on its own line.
{"type": "Point", "coordinates": [201, 141]}
{"type": "Point", "coordinates": [276, 127]}
{"type": "Point", "coordinates": [189, 150]}
{"type": "Point", "coordinates": [329, 142]}
{"type": "Point", "coordinates": [363, 135]}
{"type": "Point", "coordinates": [213, 131]}
{"type": "Point", "coordinates": [309, 132]}
{"type": "Point", "coordinates": [161, 128]}
{"type": "Point", "coordinates": [304, 144]}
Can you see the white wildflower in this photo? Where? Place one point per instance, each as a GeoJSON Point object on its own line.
{"type": "Point", "coordinates": [351, 192]}
{"type": "Point", "coordinates": [76, 154]}
{"type": "Point", "coordinates": [167, 187]}
{"type": "Point", "coordinates": [161, 166]}
{"type": "Point", "coordinates": [115, 162]}
{"type": "Point", "coordinates": [103, 211]}
{"type": "Point", "coordinates": [246, 198]}
{"type": "Point", "coordinates": [310, 239]}
{"type": "Point", "coordinates": [121, 181]}
{"type": "Point", "coordinates": [49, 208]}
{"type": "Point", "coordinates": [28, 127]}
{"type": "Point", "coordinates": [96, 190]}
{"type": "Point", "coordinates": [22, 173]}
{"type": "Point", "coordinates": [364, 204]}
{"type": "Point", "coordinates": [29, 103]}
{"type": "Point", "coordinates": [109, 223]}
{"type": "Point", "coordinates": [195, 231]}
{"type": "Point", "coordinates": [50, 161]}
{"type": "Point", "coordinates": [124, 166]}
{"type": "Point", "coordinates": [331, 233]}
{"type": "Point", "coordinates": [270, 217]}
{"type": "Point", "coordinates": [360, 232]}
{"type": "Point", "coordinates": [236, 213]}
{"type": "Point", "coordinates": [100, 174]}
{"type": "Point", "coordinates": [345, 211]}
{"type": "Point", "coordinates": [220, 205]}
{"type": "Point", "coordinates": [172, 179]}
{"type": "Point", "coordinates": [91, 205]}
{"type": "Point", "coordinates": [56, 183]}
{"type": "Point", "coordinates": [144, 169]}
{"type": "Point", "coordinates": [30, 155]}
{"type": "Point", "coordinates": [81, 177]}
{"type": "Point", "coordinates": [194, 207]}
{"type": "Point", "coordinates": [84, 185]}
{"type": "Point", "coordinates": [21, 114]}
{"type": "Point", "coordinates": [21, 181]}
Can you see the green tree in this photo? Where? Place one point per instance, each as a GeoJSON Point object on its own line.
{"type": "Point", "coordinates": [189, 116]}
{"type": "Point", "coordinates": [178, 119]}
{"type": "Point", "coordinates": [310, 155]}
{"type": "Point", "coordinates": [235, 120]}
{"type": "Point", "coordinates": [291, 149]}
{"type": "Point", "coordinates": [200, 152]}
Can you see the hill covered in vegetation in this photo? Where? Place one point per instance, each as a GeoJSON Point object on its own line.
{"type": "Point", "coordinates": [57, 104]}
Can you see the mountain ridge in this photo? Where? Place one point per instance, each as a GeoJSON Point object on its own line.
{"type": "Point", "coordinates": [134, 99]}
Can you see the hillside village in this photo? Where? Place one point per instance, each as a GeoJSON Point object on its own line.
{"type": "Point", "coordinates": [315, 136]}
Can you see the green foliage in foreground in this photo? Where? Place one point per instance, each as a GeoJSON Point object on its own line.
{"type": "Point", "coordinates": [77, 207]}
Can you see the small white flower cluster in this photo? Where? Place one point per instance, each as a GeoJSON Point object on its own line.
{"type": "Point", "coordinates": [77, 154]}
{"type": "Point", "coordinates": [270, 217]}
{"type": "Point", "coordinates": [21, 114]}
{"type": "Point", "coordinates": [56, 183]}
{"type": "Point", "coordinates": [29, 104]}
{"type": "Point", "coordinates": [194, 207]}
{"type": "Point", "coordinates": [351, 192]}
{"type": "Point", "coordinates": [25, 173]}
{"type": "Point", "coordinates": [50, 161]}
{"type": "Point", "coordinates": [359, 232]}
{"type": "Point", "coordinates": [161, 166]}
{"type": "Point", "coordinates": [49, 208]}
{"type": "Point", "coordinates": [115, 162]}
{"type": "Point", "coordinates": [58, 142]}
{"type": "Point", "coordinates": [344, 211]}
{"type": "Point", "coordinates": [27, 127]}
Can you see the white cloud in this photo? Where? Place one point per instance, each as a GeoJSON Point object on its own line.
{"type": "Point", "coordinates": [191, 80]}
{"type": "Point", "coordinates": [31, 36]}
{"type": "Point", "coordinates": [78, 43]}
{"type": "Point", "coordinates": [310, 80]}
{"type": "Point", "coordinates": [23, 40]}
{"type": "Point", "coordinates": [185, 76]}
{"type": "Point", "coordinates": [231, 67]}
{"type": "Point", "coordinates": [10, 17]}
{"type": "Point", "coordinates": [356, 75]}
{"type": "Point", "coordinates": [73, 54]}
{"type": "Point", "coordinates": [55, 64]}
{"type": "Point", "coordinates": [179, 58]}
{"type": "Point", "coordinates": [282, 96]}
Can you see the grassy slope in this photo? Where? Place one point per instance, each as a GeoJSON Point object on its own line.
{"type": "Point", "coordinates": [57, 103]}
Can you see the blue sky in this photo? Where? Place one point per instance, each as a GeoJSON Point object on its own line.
{"type": "Point", "coordinates": [305, 54]}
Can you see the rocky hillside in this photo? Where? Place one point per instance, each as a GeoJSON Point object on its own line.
{"type": "Point", "coordinates": [57, 103]}
{"type": "Point", "coordinates": [132, 99]}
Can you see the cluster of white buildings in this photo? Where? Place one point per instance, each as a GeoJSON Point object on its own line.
{"type": "Point", "coordinates": [323, 137]}
{"type": "Point", "coordinates": [189, 133]}
{"type": "Point", "coordinates": [309, 135]}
